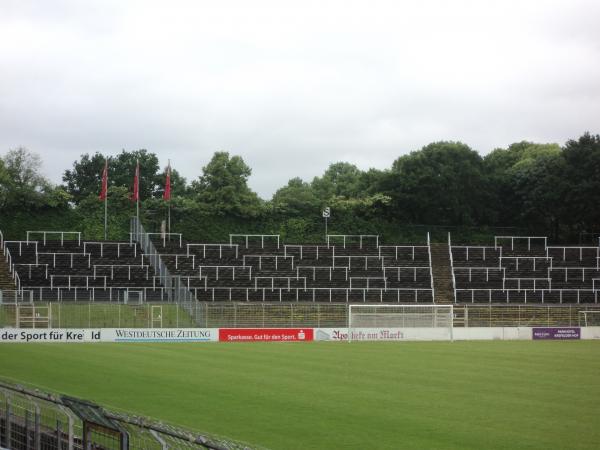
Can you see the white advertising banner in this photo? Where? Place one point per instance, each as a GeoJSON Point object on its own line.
{"type": "Point", "coordinates": [382, 334]}
{"type": "Point", "coordinates": [109, 335]}
{"type": "Point", "coordinates": [50, 335]}
{"type": "Point", "coordinates": [160, 334]}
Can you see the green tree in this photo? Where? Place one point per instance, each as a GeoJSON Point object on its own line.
{"type": "Point", "coordinates": [341, 179]}
{"type": "Point", "coordinates": [443, 183]}
{"type": "Point", "coordinates": [90, 213]}
{"type": "Point", "coordinates": [540, 186]}
{"type": "Point", "coordinates": [509, 173]}
{"type": "Point", "coordinates": [123, 171]}
{"type": "Point", "coordinates": [24, 186]}
{"type": "Point", "coordinates": [297, 198]}
{"type": "Point", "coordinates": [223, 187]}
{"type": "Point", "coordinates": [84, 178]}
{"type": "Point", "coordinates": [582, 172]}
{"type": "Point", "coordinates": [179, 186]}
{"type": "Point", "coordinates": [4, 184]}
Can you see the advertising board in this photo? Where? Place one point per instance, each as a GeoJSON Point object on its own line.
{"type": "Point", "coordinates": [109, 335]}
{"type": "Point", "coordinates": [554, 333]}
{"type": "Point", "coordinates": [265, 334]}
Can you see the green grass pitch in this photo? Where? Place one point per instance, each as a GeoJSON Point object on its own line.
{"type": "Point", "coordinates": [461, 395]}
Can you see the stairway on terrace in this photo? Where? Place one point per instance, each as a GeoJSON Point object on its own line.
{"type": "Point", "coordinates": [442, 274]}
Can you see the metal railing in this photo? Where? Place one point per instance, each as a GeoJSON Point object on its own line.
{"type": "Point", "coordinates": [483, 248]}
{"type": "Point", "coordinates": [10, 296]}
{"type": "Point", "coordinates": [538, 294]}
{"type": "Point", "coordinates": [525, 315]}
{"type": "Point", "coordinates": [452, 266]}
{"type": "Point", "coordinates": [34, 419]}
{"type": "Point", "coordinates": [512, 240]}
{"type": "Point", "coordinates": [351, 236]}
{"type": "Point", "coordinates": [177, 292]}
{"type": "Point", "coordinates": [163, 237]}
{"type": "Point", "coordinates": [59, 233]}
{"type": "Point", "coordinates": [11, 268]}
{"type": "Point", "coordinates": [261, 236]}
{"type": "Point", "coordinates": [97, 293]}
{"type": "Point", "coordinates": [302, 295]}
{"type": "Point", "coordinates": [396, 247]}
{"type": "Point", "coordinates": [430, 266]}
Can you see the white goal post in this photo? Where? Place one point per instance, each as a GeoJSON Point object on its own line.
{"type": "Point", "coordinates": [589, 318]}
{"type": "Point", "coordinates": [400, 322]}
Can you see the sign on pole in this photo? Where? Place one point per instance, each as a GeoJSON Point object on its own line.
{"type": "Point", "coordinates": [326, 215]}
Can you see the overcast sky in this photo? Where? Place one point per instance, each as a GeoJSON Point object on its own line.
{"type": "Point", "coordinates": [293, 86]}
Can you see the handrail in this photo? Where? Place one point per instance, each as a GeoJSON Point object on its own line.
{"type": "Point", "coordinates": [430, 265]}
{"type": "Point", "coordinates": [17, 281]}
{"type": "Point", "coordinates": [452, 266]}
{"type": "Point", "coordinates": [176, 291]}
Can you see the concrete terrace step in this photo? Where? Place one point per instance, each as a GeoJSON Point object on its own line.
{"type": "Point", "coordinates": [442, 274]}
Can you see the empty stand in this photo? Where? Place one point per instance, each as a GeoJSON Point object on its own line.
{"type": "Point", "coordinates": [524, 269]}
{"type": "Point", "coordinates": [58, 267]}
{"type": "Point", "coordinates": [346, 268]}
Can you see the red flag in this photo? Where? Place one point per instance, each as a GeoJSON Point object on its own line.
{"type": "Point", "coordinates": [104, 189]}
{"type": "Point", "coordinates": [167, 193]}
{"type": "Point", "coordinates": [135, 196]}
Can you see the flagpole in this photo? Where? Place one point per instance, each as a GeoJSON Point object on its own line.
{"type": "Point", "coordinates": [105, 217]}
{"type": "Point", "coordinates": [169, 202]}
{"type": "Point", "coordinates": [104, 196]}
{"type": "Point", "coordinates": [137, 203]}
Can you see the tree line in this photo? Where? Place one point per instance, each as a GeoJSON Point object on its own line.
{"type": "Point", "coordinates": [534, 188]}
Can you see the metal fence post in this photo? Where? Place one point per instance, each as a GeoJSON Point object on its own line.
{"type": "Point", "coordinates": [27, 437]}
{"type": "Point", "coordinates": [37, 435]}
{"type": "Point", "coordinates": [8, 423]}
{"type": "Point", "coordinates": [318, 316]}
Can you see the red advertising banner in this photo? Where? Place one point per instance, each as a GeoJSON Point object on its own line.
{"type": "Point", "coordinates": [265, 334]}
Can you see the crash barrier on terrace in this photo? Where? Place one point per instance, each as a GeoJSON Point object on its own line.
{"type": "Point", "coordinates": [78, 265]}
{"type": "Point", "coordinates": [260, 268]}
{"type": "Point", "coordinates": [252, 268]}
{"type": "Point", "coordinates": [79, 315]}
{"type": "Point", "coordinates": [57, 267]}
{"type": "Point", "coordinates": [525, 269]}
{"type": "Point", "coordinates": [33, 419]}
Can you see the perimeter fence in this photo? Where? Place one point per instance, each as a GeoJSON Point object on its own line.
{"type": "Point", "coordinates": [265, 315]}
{"type": "Point", "coordinates": [31, 419]}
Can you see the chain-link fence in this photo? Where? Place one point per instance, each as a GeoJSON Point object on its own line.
{"type": "Point", "coordinates": [521, 315]}
{"type": "Point", "coordinates": [263, 315]}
